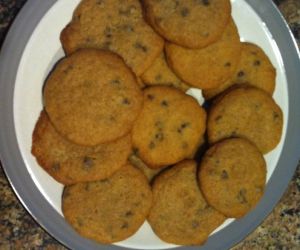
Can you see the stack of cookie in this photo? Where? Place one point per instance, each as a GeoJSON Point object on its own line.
{"type": "Point", "coordinates": [119, 131]}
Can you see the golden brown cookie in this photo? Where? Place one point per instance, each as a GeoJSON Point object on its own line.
{"type": "Point", "coordinates": [189, 23]}
{"type": "Point", "coordinates": [246, 112]}
{"type": "Point", "coordinates": [116, 25]}
{"type": "Point", "coordinates": [232, 176]}
{"type": "Point", "coordinates": [254, 68]}
{"type": "Point", "coordinates": [180, 214]}
{"type": "Point", "coordinates": [92, 97]}
{"type": "Point", "coordinates": [159, 73]}
{"type": "Point", "coordinates": [110, 210]}
{"type": "Point", "coordinates": [208, 67]}
{"type": "Point", "coordinates": [69, 163]}
{"type": "Point", "coordinates": [169, 128]}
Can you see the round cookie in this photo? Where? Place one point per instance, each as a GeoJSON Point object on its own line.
{"type": "Point", "coordinates": [159, 73]}
{"type": "Point", "coordinates": [192, 24]}
{"type": "Point", "coordinates": [246, 112]}
{"type": "Point", "coordinates": [180, 214]}
{"type": "Point", "coordinates": [69, 163]}
{"type": "Point", "coordinates": [115, 25]}
{"type": "Point", "coordinates": [254, 68]}
{"type": "Point", "coordinates": [208, 67]}
{"type": "Point", "coordinates": [110, 210]}
{"type": "Point", "coordinates": [92, 97]}
{"type": "Point", "coordinates": [232, 176]}
{"type": "Point", "coordinates": [169, 128]}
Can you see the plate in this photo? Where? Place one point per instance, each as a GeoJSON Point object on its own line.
{"type": "Point", "coordinates": [31, 49]}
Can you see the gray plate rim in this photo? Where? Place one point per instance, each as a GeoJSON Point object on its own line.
{"type": "Point", "coordinates": [39, 208]}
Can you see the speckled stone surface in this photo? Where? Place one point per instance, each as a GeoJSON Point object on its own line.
{"type": "Point", "coordinates": [280, 230]}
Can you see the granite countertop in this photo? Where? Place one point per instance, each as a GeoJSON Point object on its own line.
{"type": "Point", "coordinates": [280, 230]}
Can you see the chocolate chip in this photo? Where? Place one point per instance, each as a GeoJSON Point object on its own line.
{"type": "Point", "coordinates": [56, 167]}
{"type": "Point", "coordinates": [115, 81]}
{"type": "Point", "coordinates": [224, 175]}
{"type": "Point", "coordinates": [184, 12]}
{"type": "Point", "coordinates": [151, 145]}
{"type": "Point", "coordinates": [126, 101]}
{"type": "Point", "coordinates": [275, 115]}
{"type": "Point", "coordinates": [183, 126]}
{"type": "Point", "coordinates": [87, 187]}
{"type": "Point", "coordinates": [233, 133]}
{"type": "Point", "coordinates": [140, 46]}
{"type": "Point", "coordinates": [135, 151]}
{"type": "Point", "coordinates": [256, 63]}
{"type": "Point", "coordinates": [242, 196]}
{"type": "Point", "coordinates": [257, 106]}
{"type": "Point", "coordinates": [104, 180]}
{"type": "Point", "coordinates": [99, 2]}
{"type": "Point", "coordinates": [217, 161]}
{"type": "Point", "coordinates": [240, 73]}
{"type": "Point", "coordinates": [164, 103]}
{"type": "Point", "coordinates": [125, 225]}
{"type": "Point", "coordinates": [88, 162]}
{"type": "Point", "coordinates": [176, 3]}
{"type": "Point", "coordinates": [112, 118]}
{"type": "Point", "coordinates": [159, 136]}
{"type": "Point", "coordinates": [228, 64]}
{"type": "Point", "coordinates": [150, 97]}
{"type": "Point", "coordinates": [79, 221]}
{"type": "Point", "coordinates": [69, 68]}
{"type": "Point", "coordinates": [218, 118]}
{"type": "Point", "coordinates": [205, 2]}
{"type": "Point", "coordinates": [128, 213]}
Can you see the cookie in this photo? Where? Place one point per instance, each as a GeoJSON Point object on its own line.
{"type": "Point", "coordinates": [159, 73]}
{"type": "Point", "coordinates": [232, 176]}
{"type": "Point", "coordinates": [246, 112]}
{"type": "Point", "coordinates": [69, 163]}
{"type": "Point", "coordinates": [110, 210]}
{"type": "Point", "coordinates": [115, 25]}
{"type": "Point", "coordinates": [180, 214]}
{"type": "Point", "coordinates": [254, 68]}
{"type": "Point", "coordinates": [150, 173]}
{"type": "Point", "coordinates": [192, 24]}
{"type": "Point", "coordinates": [92, 97]}
{"type": "Point", "coordinates": [208, 67]}
{"type": "Point", "coordinates": [169, 128]}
